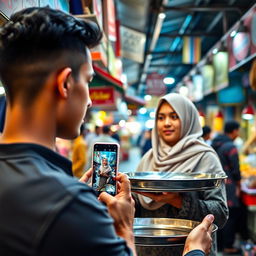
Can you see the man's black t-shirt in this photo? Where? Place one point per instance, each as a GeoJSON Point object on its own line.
{"type": "Point", "coordinates": [44, 211]}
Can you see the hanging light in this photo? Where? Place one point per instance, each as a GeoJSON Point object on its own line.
{"type": "Point", "coordinates": [248, 112]}
{"type": "Point", "coordinates": [219, 114]}
{"type": "Point", "coordinates": [218, 122]}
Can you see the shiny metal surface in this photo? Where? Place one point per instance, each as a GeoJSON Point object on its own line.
{"type": "Point", "coordinates": [163, 231]}
{"type": "Point", "coordinates": [173, 182]}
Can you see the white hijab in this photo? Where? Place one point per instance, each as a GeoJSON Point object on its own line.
{"type": "Point", "coordinates": [186, 154]}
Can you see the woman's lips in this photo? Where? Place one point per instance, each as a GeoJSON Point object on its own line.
{"type": "Point", "coordinates": [168, 132]}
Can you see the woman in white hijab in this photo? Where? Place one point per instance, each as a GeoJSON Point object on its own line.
{"type": "Point", "coordinates": [177, 147]}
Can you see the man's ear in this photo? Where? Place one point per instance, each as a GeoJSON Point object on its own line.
{"type": "Point", "coordinates": [63, 81]}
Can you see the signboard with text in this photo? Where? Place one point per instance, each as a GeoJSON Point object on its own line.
{"type": "Point", "coordinates": [155, 84]}
{"type": "Point", "coordinates": [133, 44]}
{"type": "Point", "coordinates": [8, 7]}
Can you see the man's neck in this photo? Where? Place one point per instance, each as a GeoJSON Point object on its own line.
{"type": "Point", "coordinates": [29, 126]}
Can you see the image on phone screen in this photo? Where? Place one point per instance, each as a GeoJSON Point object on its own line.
{"type": "Point", "coordinates": [105, 168]}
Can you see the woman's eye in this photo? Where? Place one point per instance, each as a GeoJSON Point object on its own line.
{"type": "Point", "coordinates": [174, 117]}
{"type": "Point", "coordinates": [160, 118]}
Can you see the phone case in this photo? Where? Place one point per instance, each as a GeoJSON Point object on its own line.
{"type": "Point", "coordinates": [105, 161]}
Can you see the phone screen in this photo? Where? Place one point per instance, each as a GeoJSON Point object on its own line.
{"type": "Point", "coordinates": [105, 164]}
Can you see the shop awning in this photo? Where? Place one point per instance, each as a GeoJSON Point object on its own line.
{"type": "Point", "coordinates": [134, 100]}
{"type": "Point", "coordinates": [3, 18]}
{"type": "Point", "coordinates": [103, 78]}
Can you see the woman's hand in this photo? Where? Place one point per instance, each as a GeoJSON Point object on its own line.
{"type": "Point", "coordinates": [171, 198]}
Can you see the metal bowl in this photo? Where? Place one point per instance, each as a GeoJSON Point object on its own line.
{"type": "Point", "coordinates": [173, 182]}
{"type": "Point", "coordinates": [163, 231]}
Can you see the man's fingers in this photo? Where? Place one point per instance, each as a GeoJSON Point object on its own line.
{"type": "Point", "coordinates": [207, 221]}
{"type": "Point", "coordinates": [86, 176]}
{"type": "Point", "coordinates": [106, 198]}
{"type": "Point", "coordinates": [125, 183]}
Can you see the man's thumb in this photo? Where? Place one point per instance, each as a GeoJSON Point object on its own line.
{"type": "Point", "coordinates": [208, 220]}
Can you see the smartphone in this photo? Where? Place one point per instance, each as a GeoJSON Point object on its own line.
{"type": "Point", "coordinates": [105, 160]}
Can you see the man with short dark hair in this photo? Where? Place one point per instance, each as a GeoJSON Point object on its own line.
{"type": "Point", "coordinates": [228, 154]}
{"type": "Point", "coordinates": [46, 66]}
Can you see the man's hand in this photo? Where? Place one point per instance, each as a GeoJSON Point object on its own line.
{"type": "Point", "coordinates": [87, 175]}
{"type": "Point", "coordinates": [174, 199]}
{"type": "Point", "coordinates": [200, 237]}
{"type": "Point", "coordinates": [121, 208]}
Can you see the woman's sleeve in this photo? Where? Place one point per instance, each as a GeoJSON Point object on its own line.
{"type": "Point", "coordinates": [196, 205]}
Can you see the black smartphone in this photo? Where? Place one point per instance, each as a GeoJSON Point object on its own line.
{"type": "Point", "coordinates": [105, 160]}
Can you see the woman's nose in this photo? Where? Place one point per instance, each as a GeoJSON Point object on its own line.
{"type": "Point", "coordinates": [167, 121]}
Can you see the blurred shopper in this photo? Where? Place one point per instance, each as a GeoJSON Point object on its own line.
{"type": "Point", "coordinates": [145, 142]}
{"type": "Point", "coordinates": [115, 135]}
{"type": "Point", "coordinates": [79, 152]}
{"type": "Point", "coordinates": [90, 136]}
{"type": "Point", "coordinates": [207, 134]}
{"type": "Point", "coordinates": [177, 147]}
{"type": "Point", "coordinates": [228, 154]}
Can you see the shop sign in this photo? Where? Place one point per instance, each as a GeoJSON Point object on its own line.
{"type": "Point", "coordinates": [208, 79]}
{"type": "Point", "coordinates": [220, 63]}
{"type": "Point", "coordinates": [97, 10]}
{"type": "Point", "coordinates": [102, 96]}
{"type": "Point", "coordinates": [155, 84]}
{"type": "Point", "coordinates": [8, 7]}
{"type": "Point", "coordinates": [133, 44]}
{"type": "Point", "coordinates": [110, 19]}
{"type": "Point", "coordinates": [242, 47]}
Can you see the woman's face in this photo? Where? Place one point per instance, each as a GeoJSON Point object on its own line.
{"type": "Point", "coordinates": [168, 124]}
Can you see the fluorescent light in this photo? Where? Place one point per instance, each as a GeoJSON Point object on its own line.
{"type": "Point", "coordinates": [215, 50]}
{"type": "Point", "coordinates": [147, 97]}
{"type": "Point", "coordinates": [122, 123]}
{"type": "Point", "coordinates": [2, 91]}
{"type": "Point", "coordinates": [143, 111]}
{"type": "Point", "coordinates": [169, 80]}
{"type": "Point", "coordinates": [150, 124]}
{"type": "Point", "coordinates": [233, 33]}
{"type": "Point", "coordinates": [162, 15]}
{"type": "Point", "coordinates": [152, 114]}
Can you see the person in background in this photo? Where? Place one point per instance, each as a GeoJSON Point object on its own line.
{"type": "Point", "coordinates": [46, 82]}
{"type": "Point", "coordinates": [177, 147]}
{"type": "Point", "coordinates": [115, 135]}
{"type": "Point", "coordinates": [207, 134]}
{"type": "Point", "coordinates": [228, 154]}
{"type": "Point", "coordinates": [145, 143]}
{"type": "Point", "coordinates": [90, 136]}
{"type": "Point", "coordinates": [79, 154]}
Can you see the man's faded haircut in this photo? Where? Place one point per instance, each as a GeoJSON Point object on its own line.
{"type": "Point", "coordinates": [38, 41]}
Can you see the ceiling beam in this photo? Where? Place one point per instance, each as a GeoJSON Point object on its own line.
{"type": "Point", "coordinates": [170, 64]}
{"type": "Point", "coordinates": [191, 34]}
{"type": "Point", "coordinates": [166, 52]}
{"type": "Point", "coordinates": [212, 8]}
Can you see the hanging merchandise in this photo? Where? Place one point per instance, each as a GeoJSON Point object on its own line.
{"type": "Point", "coordinates": [191, 53]}
{"type": "Point", "coordinates": [218, 122]}
{"type": "Point", "coordinates": [248, 112]}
